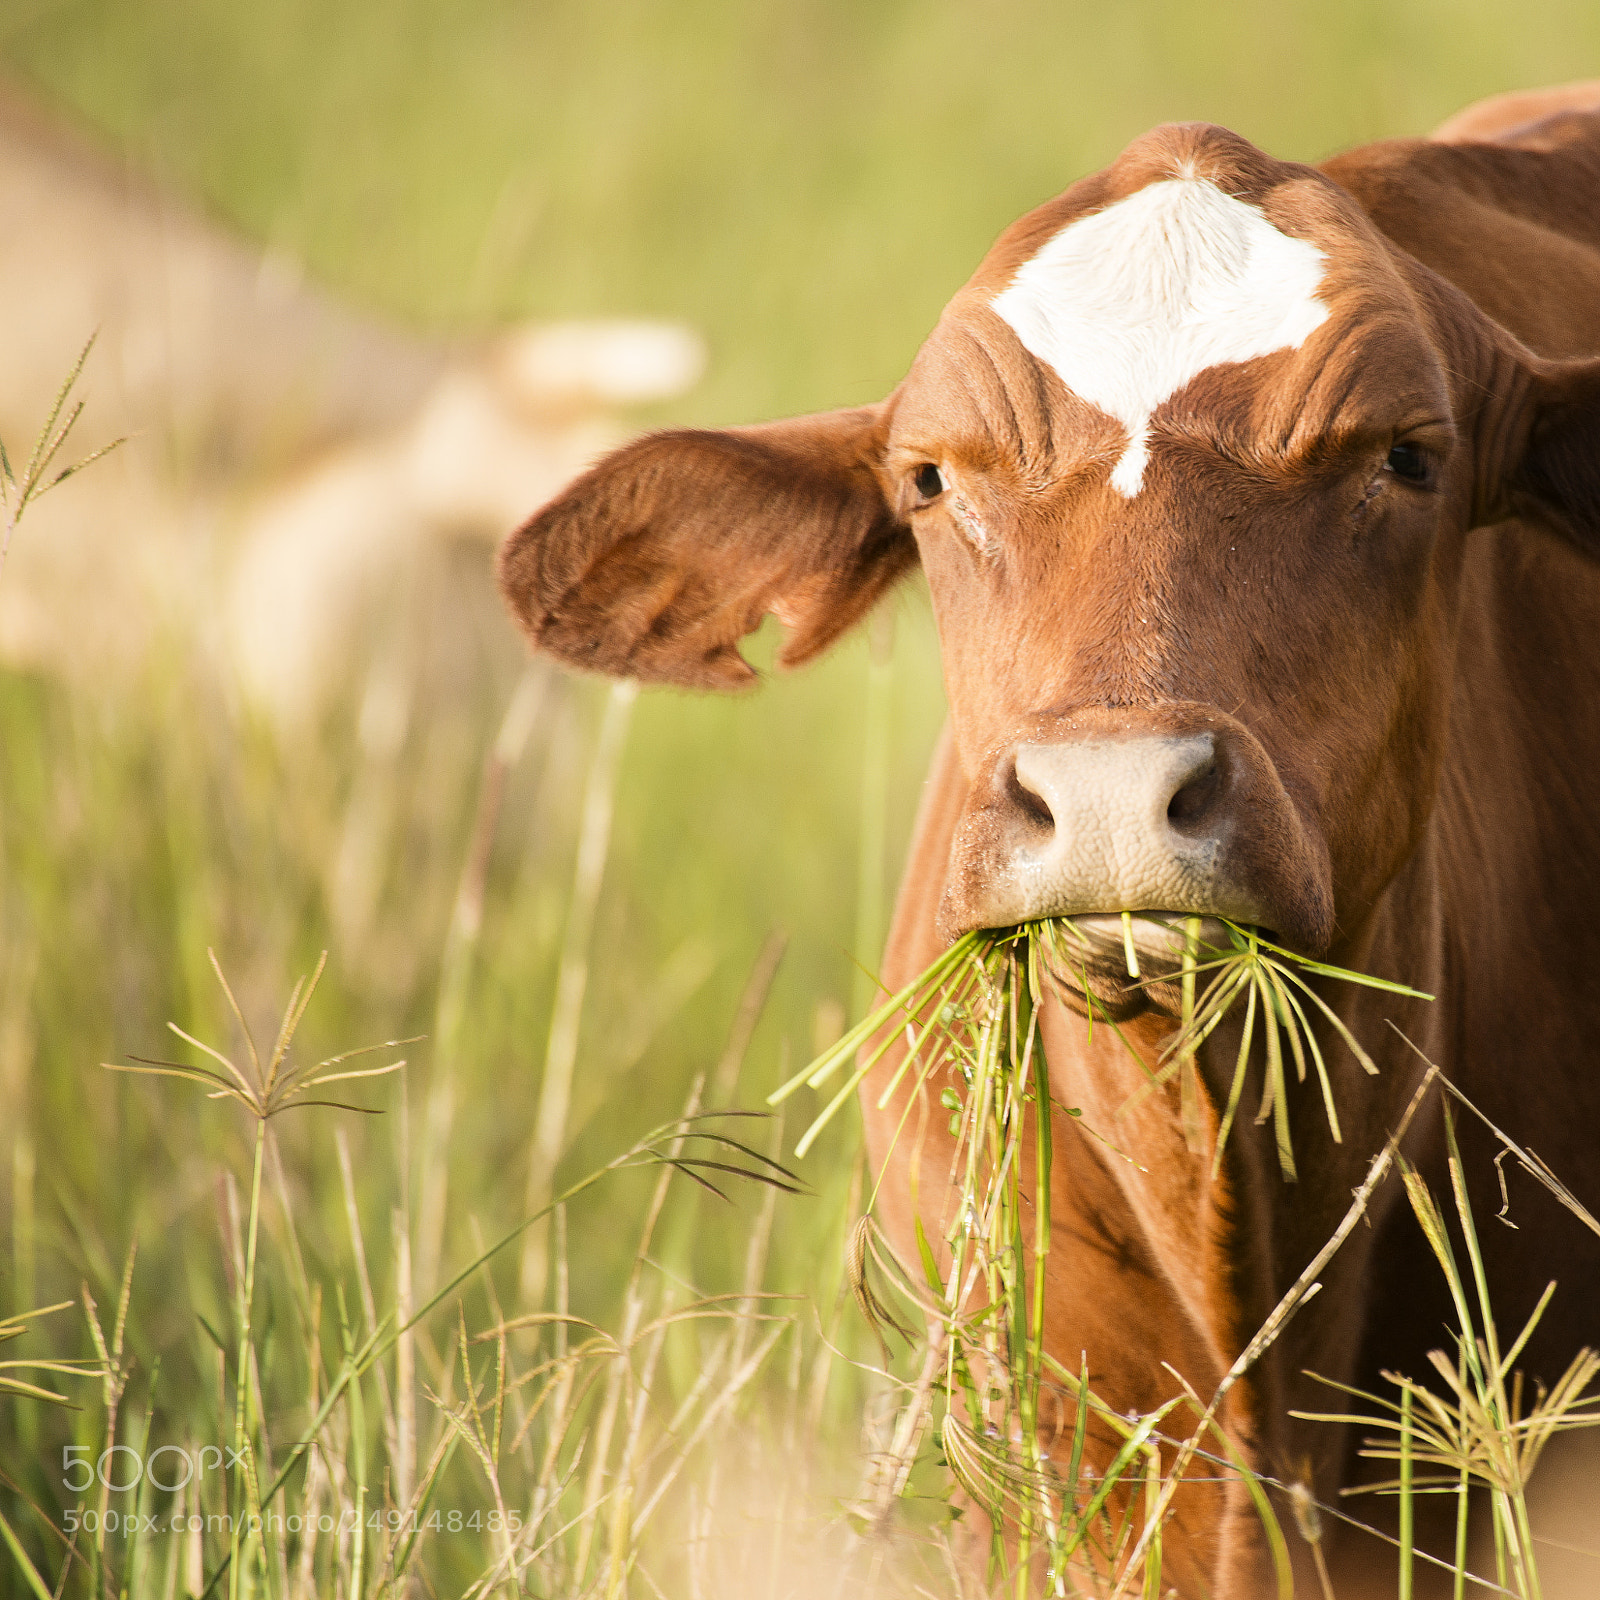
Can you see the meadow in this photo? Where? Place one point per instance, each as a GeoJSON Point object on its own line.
{"type": "Point", "coordinates": [670, 903]}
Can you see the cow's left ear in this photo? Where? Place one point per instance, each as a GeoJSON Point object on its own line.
{"type": "Point", "coordinates": [1559, 471]}
{"type": "Point", "coordinates": [655, 563]}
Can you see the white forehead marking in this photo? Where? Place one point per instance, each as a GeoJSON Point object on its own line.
{"type": "Point", "coordinates": [1131, 303]}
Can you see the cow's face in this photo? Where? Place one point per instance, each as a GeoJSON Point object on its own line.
{"type": "Point", "coordinates": [1177, 461]}
{"type": "Point", "coordinates": [1188, 464]}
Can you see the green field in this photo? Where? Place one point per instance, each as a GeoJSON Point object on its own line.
{"type": "Point", "coordinates": [806, 183]}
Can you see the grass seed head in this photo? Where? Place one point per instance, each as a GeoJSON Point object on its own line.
{"type": "Point", "coordinates": [276, 1084]}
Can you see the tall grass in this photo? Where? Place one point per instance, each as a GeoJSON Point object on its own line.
{"type": "Point", "coordinates": [555, 1454]}
{"type": "Point", "coordinates": [562, 1466]}
{"type": "Point", "coordinates": [274, 1324]}
{"type": "Point", "coordinates": [1477, 1428]}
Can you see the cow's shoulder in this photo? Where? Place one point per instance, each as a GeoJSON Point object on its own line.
{"type": "Point", "coordinates": [1514, 222]}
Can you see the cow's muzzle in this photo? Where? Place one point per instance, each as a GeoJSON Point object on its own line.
{"type": "Point", "coordinates": [1186, 817]}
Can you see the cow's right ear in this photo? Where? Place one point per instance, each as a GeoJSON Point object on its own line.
{"type": "Point", "coordinates": [1559, 471]}
{"type": "Point", "coordinates": [655, 563]}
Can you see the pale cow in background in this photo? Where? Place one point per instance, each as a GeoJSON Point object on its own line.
{"type": "Point", "coordinates": [502, 431]}
{"type": "Point", "coordinates": [289, 459]}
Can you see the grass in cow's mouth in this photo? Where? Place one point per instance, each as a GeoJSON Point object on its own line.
{"type": "Point", "coordinates": [975, 1011]}
{"type": "Point", "coordinates": [978, 970]}
{"type": "Point", "coordinates": [1251, 967]}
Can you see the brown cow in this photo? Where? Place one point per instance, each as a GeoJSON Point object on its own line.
{"type": "Point", "coordinates": [1259, 504]}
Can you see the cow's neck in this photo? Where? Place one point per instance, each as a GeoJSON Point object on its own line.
{"type": "Point", "coordinates": [1505, 884]}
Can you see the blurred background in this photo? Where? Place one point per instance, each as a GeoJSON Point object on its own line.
{"type": "Point", "coordinates": [370, 279]}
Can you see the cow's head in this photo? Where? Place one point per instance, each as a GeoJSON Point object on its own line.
{"type": "Point", "coordinates": [1189, 465]}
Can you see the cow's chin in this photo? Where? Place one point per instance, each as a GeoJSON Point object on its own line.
{"type": "Point", "coordinates": [1092, 964]}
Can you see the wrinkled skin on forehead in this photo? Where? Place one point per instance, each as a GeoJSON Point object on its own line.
{"type": "Point", "coordinates": [1345, 622]}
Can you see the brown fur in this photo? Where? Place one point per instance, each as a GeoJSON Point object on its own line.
{"type": "Point", "coordinates": [1408, 675]}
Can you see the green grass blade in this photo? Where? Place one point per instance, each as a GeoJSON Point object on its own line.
{"type": "Point", "coordinates": [1305, 1029]}
{"type": "Point", "coordinates": [1433, 1227]}
{"type": "Point", "coordinates": [1271, 1084]}
{"type": "Point", "coordinates": [1288, 1016]}
{"type": "Point", "coordinates": [851, 1084]}
{"type": "Point", "coordinates": [1188, 1074]}
{"type": "Point", "coordinates": [1333, 1016]}
{"type": "Point", "coordinates": [1238, 1083]}
{"type": "Point", "coordinates": [1280, 1119]}
{"type": "Point", "coordinates": [1130, 955]}
{"type": "Point", "coordinates": [817, 1072]}
{"type": "Point", "coordinates": [1324, 970]}
{"type": "Point", "coordinates": [1470, 1234]}
{"type": "Point", "coordinates": [24, 1565]}
{"type": "Point", "coordinates": [1509, 1359]}
{"type": "Point", "coordinates": [1407, 1505]}
{"type": "Point", "coordinates": [1132, 1446]}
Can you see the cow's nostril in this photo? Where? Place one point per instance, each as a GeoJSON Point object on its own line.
{"type": "Point", "coordinates": [1190, 807]}
{"type": "Point", "coordinates": [1032, 805]}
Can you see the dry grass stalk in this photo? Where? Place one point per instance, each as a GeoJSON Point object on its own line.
{"type": "Point", "coordinates": [1480, 1430]}
{"type": "Point", "coordinates": [19, 490]}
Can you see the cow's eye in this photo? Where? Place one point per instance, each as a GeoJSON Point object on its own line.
{"type": "Point", "coordinates": [929, 481]}
{"type": "Point", "coordinates": [1408, 462]}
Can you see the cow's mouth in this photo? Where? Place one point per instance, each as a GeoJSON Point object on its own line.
{"type": "Point", "coordinates": [1113, 965]}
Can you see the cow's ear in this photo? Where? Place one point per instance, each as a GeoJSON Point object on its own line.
{"type": "Point", "coordinates": [1559, 471]}
{"type": "Point", "coordinates": [655, 563]}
